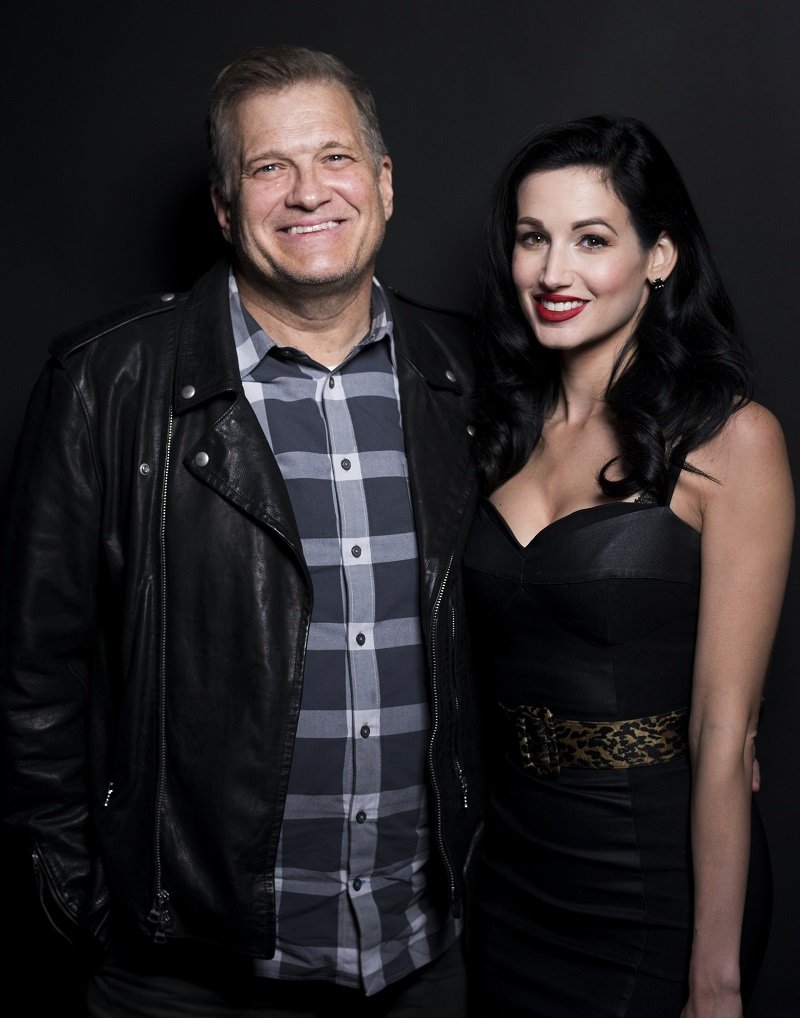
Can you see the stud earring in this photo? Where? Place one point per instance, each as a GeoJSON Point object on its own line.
{"type": "Point", "coordinates": [657, 283]}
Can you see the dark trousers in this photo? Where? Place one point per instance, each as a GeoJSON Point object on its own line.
{"type": "Point", "coordinates": [169, 985]}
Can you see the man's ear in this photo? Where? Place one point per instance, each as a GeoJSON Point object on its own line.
{"type": "Point", "coordinates": [663, 258]}
{"type": "Point", "coordinates": [386, 189]}
{"type": "Point", "coordinates": [222, 210]}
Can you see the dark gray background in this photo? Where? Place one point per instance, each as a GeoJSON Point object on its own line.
{"type": "Point", "coordinates": [103, 181]}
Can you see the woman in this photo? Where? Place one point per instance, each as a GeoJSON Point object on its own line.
{"type": "Point", "coordinates": [625, 575]}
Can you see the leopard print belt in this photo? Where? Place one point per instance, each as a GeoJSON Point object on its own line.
{"type": "Point", "coordinates": [545, 744]}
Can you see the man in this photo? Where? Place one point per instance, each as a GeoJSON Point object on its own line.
{"type": "Point", "coordinates": [237, 713]}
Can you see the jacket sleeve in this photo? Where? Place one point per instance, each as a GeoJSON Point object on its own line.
{"type": "Point", "coordinates": [49, 641]}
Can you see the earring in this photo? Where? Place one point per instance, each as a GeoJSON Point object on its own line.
{"type": "Point", "coordinates": [657, 283]}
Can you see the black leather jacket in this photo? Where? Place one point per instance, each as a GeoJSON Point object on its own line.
{"type": "Point", "coordinates": [155, 613]}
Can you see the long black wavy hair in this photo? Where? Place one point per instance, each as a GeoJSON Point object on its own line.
{"type": "Point", "coordinates": [685, 369]}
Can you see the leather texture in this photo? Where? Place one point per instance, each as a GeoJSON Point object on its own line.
{"type": "Point", "coordinates": [155, 609]}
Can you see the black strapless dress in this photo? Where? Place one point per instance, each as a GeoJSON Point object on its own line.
{"type": "Point", "coordinates": [584, 900]}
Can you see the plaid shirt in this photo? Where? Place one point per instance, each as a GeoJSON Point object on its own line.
{"type": "Point", "coordinates": [357, 901]}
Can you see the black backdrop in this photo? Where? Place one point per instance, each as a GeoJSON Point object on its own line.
{"type": "Point", "coordinates": [104, 199]}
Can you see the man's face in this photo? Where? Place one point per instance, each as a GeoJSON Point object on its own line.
{"type": "Point", "coordinates": [307, 207]}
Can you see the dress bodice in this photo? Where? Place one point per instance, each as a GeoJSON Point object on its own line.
{"type": "Point", "coordinates": [603, 600]}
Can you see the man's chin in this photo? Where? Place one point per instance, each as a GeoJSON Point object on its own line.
{"type": "Point", "coordinates": [325, 279]}
{"type": "Point", "coordinates": [321, 283]}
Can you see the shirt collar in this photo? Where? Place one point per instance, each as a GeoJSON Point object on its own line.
{"type": "Point", "coordinates": [253, 344]}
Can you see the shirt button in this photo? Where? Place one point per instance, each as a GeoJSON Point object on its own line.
{"type": "Point", "coordinates": [331, 382]}
{"type": "Point", "coordinates": [357, 884]}
{"type": "Point", "coordinates": [356, 549]}
{"type": "Point", "coordinates": [361, 816]}
{"type": "Point", "coordinates": [361, 639]}
{"type": "Point", "coordinates": [346, 464]}
{"type": "Point", "coordinates": [365, 731]}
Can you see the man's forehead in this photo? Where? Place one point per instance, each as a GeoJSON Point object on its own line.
{"type": "Point", "coordinates": [313, 93]}
{"type": "Point", "coordinates": [313, 114]}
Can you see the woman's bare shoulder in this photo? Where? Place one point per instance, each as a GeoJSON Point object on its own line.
{"type": "Point", "coordinates": [754, 428]}
{"type": "Point", "coordinates": [751, 440]}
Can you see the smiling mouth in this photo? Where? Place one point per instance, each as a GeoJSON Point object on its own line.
{"type": "Point", "coordinates": [553, 309]}
{"type": "Point", "coordinates": [561, 305]}
{"type": "Point", "coordinates": [316, 228]}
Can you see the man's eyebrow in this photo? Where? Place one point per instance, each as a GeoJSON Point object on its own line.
{"type": "Point", "coordinates": [272, 154]}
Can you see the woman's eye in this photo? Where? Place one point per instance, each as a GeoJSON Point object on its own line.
{"type": "Point", "coordinates": [532, 239]}
{"type": "Point", "coordinates": [592, 241]}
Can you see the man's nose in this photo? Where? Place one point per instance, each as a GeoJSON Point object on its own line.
{"type": "Point", "coordinates": [309, 189]}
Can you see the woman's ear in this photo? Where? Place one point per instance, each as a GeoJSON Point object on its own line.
{"type": "Point", "coordinates": [663, 258]}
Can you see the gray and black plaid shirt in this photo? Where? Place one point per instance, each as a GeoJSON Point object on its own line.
{"type": "Point", "coordinates": [355, 861]}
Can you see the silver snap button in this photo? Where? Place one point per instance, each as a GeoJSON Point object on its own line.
{"type": "Point", "coordinates": [201, 459]}
{"type": "Point", "coordinates": [449, 376]}
{"type": "Point", "coordinates": [144, 469]}
{"type": "Point", "coordinates": [167, 297]}
{"type": "Point", "coordinates": [471, 430]}
{"type": "Point", "coordinates": [188, 391]}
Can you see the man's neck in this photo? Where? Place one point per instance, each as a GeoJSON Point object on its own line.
{"type": "Point", "coordinates": [326, 326]}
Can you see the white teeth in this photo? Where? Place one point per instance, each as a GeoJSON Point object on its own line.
{"type": "Point", "coordinates": [562, 305]}
{"type": "Point", "coordinates": [313, 229]}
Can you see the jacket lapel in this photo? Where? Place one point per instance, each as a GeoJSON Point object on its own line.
{"type": "Point", "coordinates": [436, 402]}
{"type": "Point", "coordinates": [222, 443]}
{"type": "Point", "coordinates": [215, 420]}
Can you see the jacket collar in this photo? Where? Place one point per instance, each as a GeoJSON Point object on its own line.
{"type": "Point", "coordinates": [418, 346]}
{"type": "Point", "coordinates": [435, 383]}
{"type": "Point", "coordinates": [206, 361]}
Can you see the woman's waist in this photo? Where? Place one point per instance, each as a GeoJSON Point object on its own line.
{"type": "Point", "coordinates": [543, 740]}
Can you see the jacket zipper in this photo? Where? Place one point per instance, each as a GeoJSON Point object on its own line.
{"type": "Point", "coordinates": [435, 705]}
{"type": "Point", "coordinates": [42, 880]}
{"type": "Point", "coordinates": [461, 776]}
{"type": "Point", "coordinates": [159, 913]}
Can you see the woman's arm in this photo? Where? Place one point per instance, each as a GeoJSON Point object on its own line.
{"type": "Point", "coordinates": [748, 520]}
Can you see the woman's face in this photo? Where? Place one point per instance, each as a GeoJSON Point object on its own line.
{"type": "Point", "coordinates": [578, 265]}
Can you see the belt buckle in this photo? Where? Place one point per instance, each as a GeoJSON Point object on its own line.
{"type": "Point", "coordinates": [538, 745]}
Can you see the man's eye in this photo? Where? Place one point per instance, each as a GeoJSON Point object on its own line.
{"type": "Point", "coordinates": [337, 157]}
{"type": "Point", "coordinates": [266, 168]}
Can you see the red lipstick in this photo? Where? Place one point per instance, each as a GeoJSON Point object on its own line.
{"type": "Point", "coordinates": [549, 315]}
